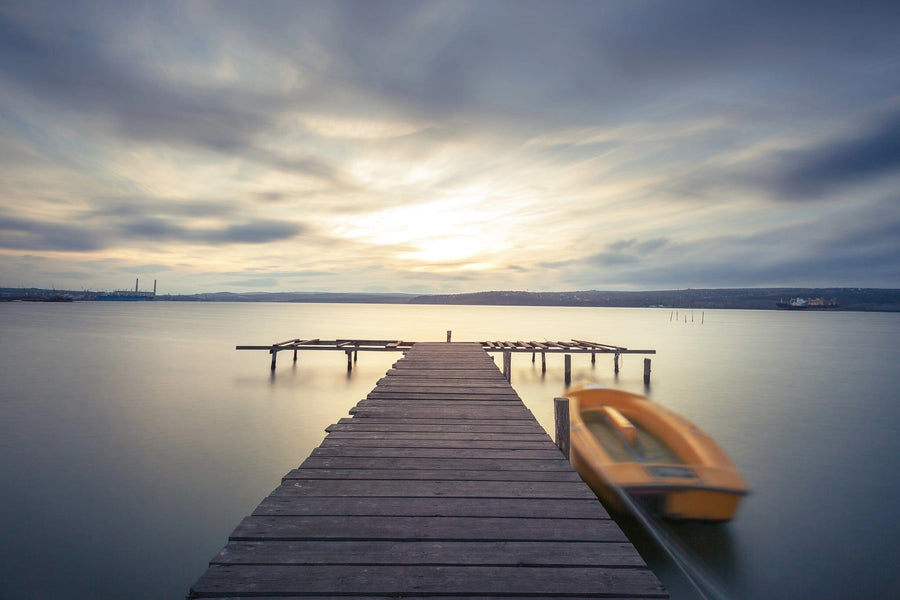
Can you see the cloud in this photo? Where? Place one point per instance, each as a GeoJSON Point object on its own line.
{"type": "Point", "coordinates": [252, 232]}
{"type": "Point", "coordinates": [829, 167]}
{"type": "Point", "coordinates": [25, 234]}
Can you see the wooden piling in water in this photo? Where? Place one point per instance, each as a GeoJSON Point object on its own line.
{"type": "Point", "coordinates": [646, 370]}
{"type": "Point", "coordinates": [507, 365]}
{"type": "Point", "coordinates": [561, 420]}
{"type": "Point", "coordinates": [568, 362]}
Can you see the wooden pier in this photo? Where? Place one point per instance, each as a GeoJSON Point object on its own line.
{"type": "Point", "coordinates": [352, 347]}
{"type": "Point", "coordinates": [441, 484]}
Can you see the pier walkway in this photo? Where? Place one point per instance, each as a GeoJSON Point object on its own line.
{"type": "Point", "coordinates": [441, 484]}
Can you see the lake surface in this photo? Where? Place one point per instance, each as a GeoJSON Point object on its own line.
{"type": "Point", "coordinates": [134, 438]}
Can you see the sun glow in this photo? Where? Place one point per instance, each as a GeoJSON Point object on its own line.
{"type": "Point", "coordinates": [445, 231]}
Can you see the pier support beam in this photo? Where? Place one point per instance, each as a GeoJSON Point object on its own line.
{"type": "Point", "coordinates": [295, 353]}
{"type": "Point", "coordinates": [593, 358]}
{"type": "Point", "coordinates": [561, 418]}
{"type": "Point", "coordinates": [646, 370]}
{"type": "Point", "coordinates": [568, 369]}
{"type": "Point", "coordinates": [616, 363]}
{"type": "Point", "coordinates": [274, 353]}
{"type": "Point", "coordinates": [507, 365]}
{"type": "Point", "coordinates": [349, 360]}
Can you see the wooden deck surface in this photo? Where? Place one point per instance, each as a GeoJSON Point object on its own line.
{"type": "Point", "coordinates": [441, 484]}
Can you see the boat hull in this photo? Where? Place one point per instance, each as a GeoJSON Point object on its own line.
{"type": "Point", "coordinates": [692, 479]}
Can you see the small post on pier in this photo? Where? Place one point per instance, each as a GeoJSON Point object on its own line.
{"type": "Point", "coordinates": [593, 358]}
{"type": "Point", "coordinates": [449, 332]}
{"type": "Point", "coordinates": [616, 363]}
{"type": "Point", "coordinates": [568, 369]}
{"type": "Point", "coordinates": [295, 353]}
{"type": "Point", "coordinates": [646, 370]}
{"type": "Point", "coordinates": [507, 364]}
{"type": "Point", "coordinates": [561, 414]}
{"type": "Point", "coordinates": [274, 352]}
{"type": "Point", "coordinates": [543, 362]}
{"type": "Point", "coordinates": [349, 360]}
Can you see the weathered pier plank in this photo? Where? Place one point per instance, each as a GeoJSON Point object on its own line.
{"type": "Point", "coordinates": [442, 484]}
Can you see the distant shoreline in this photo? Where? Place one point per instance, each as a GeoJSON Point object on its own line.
{"type": "Point", "coordinates": [847, 299]}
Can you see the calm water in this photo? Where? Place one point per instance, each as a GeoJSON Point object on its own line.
{"type": "Point", "coordinates": [134, 437]}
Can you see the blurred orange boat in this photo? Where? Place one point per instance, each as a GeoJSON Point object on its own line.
{"type": "Point", "coordinates": [623, 442]}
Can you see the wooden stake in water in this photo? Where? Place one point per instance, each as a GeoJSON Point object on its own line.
{"type": "Point", "coordinates": [561, 418]}
{"type": "Point", "coordinates": [568, 369]}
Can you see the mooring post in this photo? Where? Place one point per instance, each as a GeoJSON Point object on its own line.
{"type": "Point", "coordinates": [568, 369]}
{"type": "Point", "coordinates": [507, 364]}
{"type": "Point", "coordinates": [449, 332]}
{"type": "Point", "coordinates": [543, 362]}
{"type": "Point", "coordinates": [274, 352]}
{"type": "Point", "coordinates": [561, 414]}
{"type": "Point", "coordinates": [616, 363]}
{"type": "Point", "coordinates": [646, 370]}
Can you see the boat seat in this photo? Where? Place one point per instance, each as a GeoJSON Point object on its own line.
{"type": "Point", "coordinates": [620, 423]}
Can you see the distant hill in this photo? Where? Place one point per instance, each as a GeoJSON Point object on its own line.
{"type": "Point", "coordinates": [748, 298]}
{"type": "Point", "coordinates": [859, 299]}
{"type": "Point", "coordinates": [337, 298]}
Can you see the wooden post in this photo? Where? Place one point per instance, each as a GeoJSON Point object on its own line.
{"type": "Point", "coordinates": [568, 369]}
{"type": "Point", "coordinates": [448, 335]}
{"type": "Point", "coordinates": [507, 365]}
{"type": "Point", "coordinates": [532, 355]}
{"type": "Point", "coordinates": [593, 358]}
{"type": "Point", "coordinates": [349, 360]}
{"type": "Point", "coordinates": [543, 362]}
{"type": "Point", "coordinates": [274, 352]}
{"type": "Point", "coordinates": [561, 413]}
{"type": "Point", "coordinates": [646, 370]}
{"type": "Point", "coordinates": [616, 363]}
{"type": "Point", "coordinates": [295, 353]}
{"type": "Point", "coordinates": [355, 355]}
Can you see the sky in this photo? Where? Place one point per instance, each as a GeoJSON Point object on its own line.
{"type": "Point", "coordinates": [452, 146]}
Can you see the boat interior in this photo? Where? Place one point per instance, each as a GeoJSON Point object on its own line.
{"type": "Point", "coordinates": [624, 440]}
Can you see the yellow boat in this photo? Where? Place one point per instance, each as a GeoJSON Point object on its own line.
{"type": "Point", "coordinates": [662, 460]}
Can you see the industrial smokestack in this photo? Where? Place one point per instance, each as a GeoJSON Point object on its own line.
{"type": "Point", "coordinates": [154, 287]}
{"type": "Point", "coordinates": [136, 285]}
